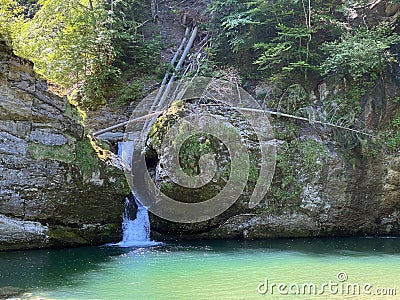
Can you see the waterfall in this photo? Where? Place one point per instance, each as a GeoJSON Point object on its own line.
{"type": "Point", "coordinates": [135, 224]}
{"type": "Point", "coordinates": [135, 228]}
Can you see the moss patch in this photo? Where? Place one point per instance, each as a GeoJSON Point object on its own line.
{"type": "Point", "coordinates": [164, 122]}
{"type": "Point", "coordinates": [254, 168]}
{"type": "Point", "coordinates": [67, 235]}
{"type": "Point", "coordinates": [167, 187]}
{"type": "Point", "coordinates": [392, 135]}
{"type": "Point", "coordinates": [64, 153]}
{"type": "Point", "coordinates": [285, 190]}
{"type": "Point", "coordinates": [294, 159]}
{"type": "Point", "coordinates": [311, 155]}
{"type": "Point", "coordinates": [191, 151]}
{"type": "Point", "coordinates": [75, 113]}
{"type": "Point", "coordinates": [86, 158]}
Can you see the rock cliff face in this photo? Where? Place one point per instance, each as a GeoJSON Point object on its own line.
{"type": "Point", "coordinates": [327, 182]}
{"type": "Point", "coordinates": [54, 190]}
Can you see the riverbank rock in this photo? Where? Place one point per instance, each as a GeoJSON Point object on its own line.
{"type": "Point", "coordinates": [54, 189]}
{"type": "Point", "coordinates": [327, 182]}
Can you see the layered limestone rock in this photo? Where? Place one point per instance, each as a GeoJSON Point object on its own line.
{"type": "Point", "coordinates": [327, 181]}
{"type": "Point", "coordinates": [54, 189]}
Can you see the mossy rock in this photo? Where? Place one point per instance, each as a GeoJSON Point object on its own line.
{"type": "Point", "coordinates": [86, 159]}
{"type": "Point", "coordinates": [63, 153]}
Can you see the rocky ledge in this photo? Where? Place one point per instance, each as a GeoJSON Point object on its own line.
{"type": "Point", "coordinates": [54, 189]}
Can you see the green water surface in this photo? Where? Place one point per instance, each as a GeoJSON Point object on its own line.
{"type": "Point", "coordinates": [336, 267]}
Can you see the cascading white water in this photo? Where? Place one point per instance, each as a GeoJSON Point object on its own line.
{"type": "Point", "coordinates": [136, 229]}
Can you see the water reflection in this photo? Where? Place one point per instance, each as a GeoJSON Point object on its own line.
{"type": "Point", "coordinates": [40, 268]}
{"type": "Point", "coordinates": [361, 246]}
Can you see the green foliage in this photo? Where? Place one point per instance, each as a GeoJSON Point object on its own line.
{"type": "Point", "coordinates": [396, 99]}
{"type": "Point", "coordinates": [96, 88]}
{"type": "Point", "coordinates": [10, 18]}
{"type": "Point", "coordinates": [344, 108]}
{"type": "Point", "coordinates": [134, 52]}
{"type": "Point", "coordinates": [285, 191]}
{"type": "Point", "coordinates": [277, 36]}
{"type": "Point", "coordinates": [288, 51]}
{"type": "Point", "coordinates": [254, 168]}
{"type": "Point", "coordinates": [295, 160]}
{"type": "Point", "coordinates": [233, 39]}
{"type": "Point", "coordinates": [312, 154]}
{"type": "Point", "coordinates": [359, 52]}
{"type": "Point", "coordinates": [146, 58]}
{"type": "Point", "coordinates": [127, 92]}
{"type": "Point", "coordinates": [291, 100]}
{"type": "Point", "coordinates": [286, 130]}
{"type": "Point", "coordinates": [372, 153]}
{"type": "Point", "coordinates": [30, 7]}
{"type": "Point", "coordinates": [293, 40]}
{"type": "Point", "coordinates": [70, 43]}
{"type": "Point", "coordinates": [167, 187]}
{"type": "Point", "coordinates": [83, 43]}
{"type": "Point", "coordinates": [392, 135]}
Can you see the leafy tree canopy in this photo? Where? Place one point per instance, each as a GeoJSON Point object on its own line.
{"type": "Point", "coordinates": [84, 44]}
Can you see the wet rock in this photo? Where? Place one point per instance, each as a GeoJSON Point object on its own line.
{"type": "Point", "coordinates": [15, 232]}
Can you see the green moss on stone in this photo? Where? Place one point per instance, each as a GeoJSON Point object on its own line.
{"type": "Point", "coordinates": [295, 159]}
{"type": "Point", "coordinates": [164, 122]}
{"type": "Point", "coordinates": [254, 169]}
{"type": "Point", "coordinates": [311, 155]}
{"type": "Point", "coordinates": [67, 235]}
{"type": "Point", "coordinates": [74, 113]}
{"type": "Point", "coordinates": [166, 187]}
{"type": "Point", "coordinates": [86, 158]}
{"type": "Point", "coordinates": [64, 153]}
{"type": "Point", "coordinates": [286, 189]}
{"type": "Point", "coordinates": [191, 151]}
